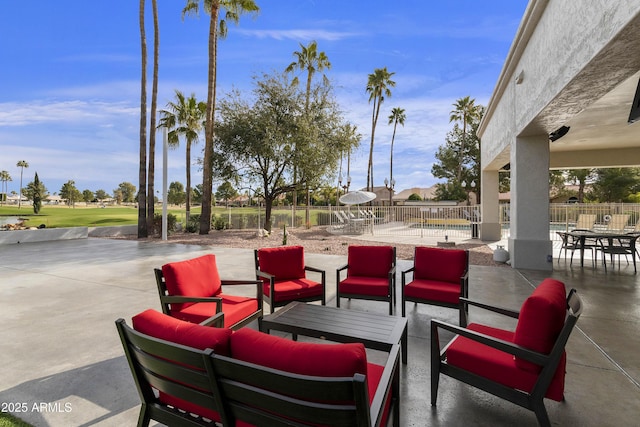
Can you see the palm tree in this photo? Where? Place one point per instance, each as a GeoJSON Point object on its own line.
{"type": "Point", "coordinates": [152, 125]}
{"type": "Point", "coordinates": [309, 59]}
{"type": "Point", "coordinates": [184, 117]}
{"type": "Point", "coordinates": [233, 8]}
{"type": "Point", "coordinates": [397, 116]}
{"type": "Point", "coordinates": [378, 86]}
{"type": "Point", "coordinates": [466, 111]}
{"type": "Point", "coordinates": [21, 164]}
{"type": "Point", "coordinates": [4, 177]}
{"type": "Point", "coordinates": [142, 166]}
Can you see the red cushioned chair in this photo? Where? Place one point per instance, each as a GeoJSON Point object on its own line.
{"type": "Point", "coordinates": [522, 366]}
{"type": "Point", "coordinates": [306, 384]}
{"type": "Point", "coordinates": [283, 273]}
{"type": "Point", "coordinates": [171, 370]}
{"type": "Point", "coordinates": [440, 277]}
{"type": "Point", "coordinates": [371, 274]}
{"type": "Point", "coordinates": [192, 290]}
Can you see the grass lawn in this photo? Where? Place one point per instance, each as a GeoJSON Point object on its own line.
{"type": "Point", "coordinates": [8, 420]}
{"type": "Point", "coordinates": [64, 216]}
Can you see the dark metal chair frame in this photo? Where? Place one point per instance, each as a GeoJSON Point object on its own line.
{"type": "Point", "coordinates": [166, 300]}
{"type": "Point", "coordinates": [391, 296]}
{"type": "Point", "coordinates": [271, 298]}
{"type": "Point", "coordinates": [533, 400]}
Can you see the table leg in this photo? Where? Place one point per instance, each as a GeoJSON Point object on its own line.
{"type": "Point", "coordinates": [403, 345]}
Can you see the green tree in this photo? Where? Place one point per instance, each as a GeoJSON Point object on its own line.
{"type": "Point", "coordinates": [414, 197]}
{"type": "Point", "coordinates": [38, 194]}
{"type": "Point", "coordinates": [378, 87]}
{"type": "Point", "coordinates": [184, 117]}
{"type": "Point", "coordinates": [580, 176]}
{"type": "Point", "coordinates": [87, 196]}
{"type": "Point", "coordinates": [101, 195]}
{"type": "Point", "coordinates": [615, 185]}
{"type": "Point", "coordinates": [4, 178]}
{"type": "Point", "coordinates": [459, 162]}
{"type": "Point", "coordinates": [258, 139]}
{"type": "Point", "coordinates": [176, 194]}
{"type": "Point", "coordinates": [70, 193]}
{"type": "Point", "coordinates": [35, 190]}
{"type": "Point", "coordinates": [397, 116]}
{"type": "Point", "coordinates": [310, 60]}
{"type": "Point", "coordinates": [226, 192]}
{"type": "Point", "coordinates": [233, 9]}
{"type": "Point", "coordinates": [127, 192]}
{"type": "Point", "coordinates": [465, 111]}
{"type": "Point", "coordinates": [21, 164]}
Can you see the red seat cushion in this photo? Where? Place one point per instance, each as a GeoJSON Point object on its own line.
{"type": "Point", "coordinates": [373, 286]}
{"type": "Point", "coordinates": [288, 290]}
{"type": "Point", "coordinates": [285, 262]}
{"type": "Point", "coordinates": [433, 290]}
{"type": "Point", "coordinates": [497, 365]}
{"type": "Point", "coordinates": [541, 319]}
{"type": "Point", "coordinates": [370, 261]}
{"type": "Point", "coordinates": [438, 264]}
{"type": "Point", "coordinates": [159, 325]}
{"type": "Point", "coordinates": [197, 277]}
{"type": "Point", "coordinates": [235, 309]}
{"type": "Point", "coordinates": [323, 360]}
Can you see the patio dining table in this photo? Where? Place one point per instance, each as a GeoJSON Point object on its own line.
{"type": "Point", "coordinates": [626, 244]}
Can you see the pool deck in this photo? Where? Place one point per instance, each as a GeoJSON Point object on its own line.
{"type": "Point", "coordinates": [63, 361]}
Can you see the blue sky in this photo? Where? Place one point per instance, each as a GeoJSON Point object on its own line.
{"type": "Point", "coordinates": [70, 79]}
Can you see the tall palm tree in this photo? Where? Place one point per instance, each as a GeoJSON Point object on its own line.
{"type": "Point", "coordinates": [142, 165]}
{"type": "Point", "coordinates": [310, 60]}
{"type": "Point", "coordinates": [4, 178]}
{"type": "Point", "coordinates": [465, 111]}
{"type": "Point", "coordinates": [21, 164]}
{"type": "Point", "coordinates": [233, 8]}
{"type": "Point", "coordinates": [184, 117]}
{"type": "Point", "coordinates": [397, 116]}
{"type": "Point", "coordinates": [378, 86]}
{"type": "Point", "coordinates": [151, 175]}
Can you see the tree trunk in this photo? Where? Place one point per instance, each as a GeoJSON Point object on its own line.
{"type": "Point", "coordinates": [207, 178]}
{"type": "Point", "coordinates": [142, 167]}
{"type": "Point", "coordinates": [154, 106]}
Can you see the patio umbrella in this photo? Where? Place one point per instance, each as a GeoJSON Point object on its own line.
{"type": "Point", "coordinates": [357, 197]}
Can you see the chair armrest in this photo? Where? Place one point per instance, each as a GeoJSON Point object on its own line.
{"type": "Point", "coordinates": [323, 274]}
{"type": "Point", "coordinates": [389, 383]}
{"type": "Point", "coordinates": [495, 309]}
{"type": "Point", "coordinates": [216, 321]}
{"type": "Point", "coordinates": [177, 299]}
{"type": "Point", "coordinates": [256, 283]}
{"type": "Point", "coordinates": [260, 273]}
{"type": "Point", "coordinates": [502, 345]}
{"type": "Point", "coordinates": [344, 267]}
{"type": "Point", "coordinates": [393, 270]}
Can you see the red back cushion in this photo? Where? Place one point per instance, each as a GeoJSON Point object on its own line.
{"type": "Point", "coordinates": [444, 265]}
{"type": "Point", "coordinates": [370, 261]}
{"type": "Point", "coordinates": [541, 319]}
{"type": "Point", "coordinates": [159, 325]}
{"type": "Point", "coordinates": [197, 277]}
{"type": "Point", "coordinates": [284, 262]}
{"type": "Point", "coordinates": [324, 360]}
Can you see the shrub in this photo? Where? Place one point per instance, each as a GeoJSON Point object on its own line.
{"type": "Point", "coordinates": [157, 223]}
{"type": "Point", "coordinates": [219, 223]}
{"type": "Point", "coordinates": [194, 224]}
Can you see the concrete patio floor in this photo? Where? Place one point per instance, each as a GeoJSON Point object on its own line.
{"type": "Point", "coordinates": [62, 361]}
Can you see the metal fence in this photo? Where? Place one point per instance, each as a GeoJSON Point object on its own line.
{"type": "Point", "coordinates": [424, 220]}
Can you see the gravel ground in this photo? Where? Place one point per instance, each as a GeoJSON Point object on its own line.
{"type": "Point", "coordinates": [315, 240]}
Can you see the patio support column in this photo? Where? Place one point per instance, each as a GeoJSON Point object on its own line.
{"type": "Point", "coordinates": [529, 244]}
{"type": "Point", "coordinates": [490, 215]}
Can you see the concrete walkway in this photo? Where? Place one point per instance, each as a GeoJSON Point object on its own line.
{"type": "Point", "coordinates": [63, 364]}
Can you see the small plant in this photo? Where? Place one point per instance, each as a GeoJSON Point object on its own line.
{"type": "Point", "coordinates": [284, 234]}
{"type": "Point", "coordinates": [219, 223]}
{"type": "Point", "coordinates": [194, 224]}
{"type": "Point", "coordinates": [172, 220]}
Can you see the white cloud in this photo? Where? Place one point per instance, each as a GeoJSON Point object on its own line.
{"type": "Point", "coordinates": [298, 34]}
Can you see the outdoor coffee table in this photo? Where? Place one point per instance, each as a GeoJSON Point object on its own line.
{"type": "Point", "coordinates": [376, 331]}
